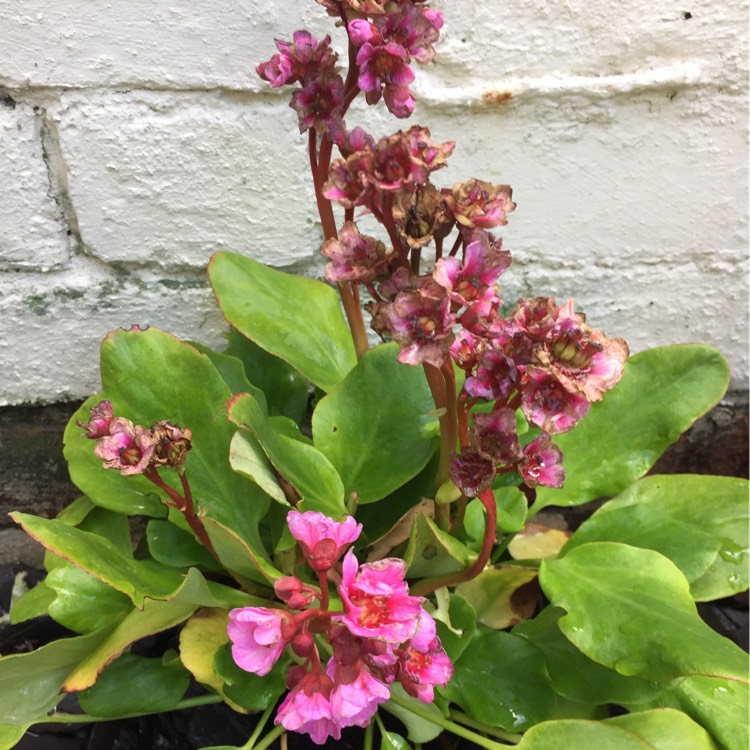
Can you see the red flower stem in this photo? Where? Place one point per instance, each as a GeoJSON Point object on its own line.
{"type": "Point", "coordinates": [456, 245]}
{"type": "Point", "coordinates": [427, 585]}
{"type": "Point", "coordinates": [390, 225]}
{"type": "Point", "coordinates": [462, 418]}
{"type": "Point", "coordinates": [324, 597]}
{"type": "Point", "coordinates": [185, 506]}
{"type": "Point", "coordinates": [436, 381]}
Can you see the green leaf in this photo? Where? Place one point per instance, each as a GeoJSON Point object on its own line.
{"type": "Point", "coordinates": [33, 603]}
{"type": "Point", "coordinates": [30, 683]}
{"type": "Point", "coordinates": [577, 734]}
{"type": "Point", "coordinates": [695, 521]}
{"type": "Point", "coordinates": [83, 603]}
{"type": "Point", "coordinates": [136, 684]}
{"type": "Point", "coordinates": [98, 556]}
{"type": "Point", "coordinates": [393, 741]}
{"type": "Point", "coordinates": [717, 704]}
{"type": "Point", "coordinates": [418, 730]}
{"type": "Point", "coordinates": [294, 318]}
{"type": "Point", "coordinates": [501, 680]}
{"type": "Point", "coordinates": [494, 595]}
{"type": "Point", "coordinates": [154, 617]}
{"type": "Point", "coordinates": [246, 457]}
{"type": "Point", "coordinates": [284, 388]}
{"type": "Point", "coordinates": [662, 392]}
{"type": "Point", "coordinates": [512, 508]}
{"type": "Point", "coordinates": [170, 545]}
{"type": "Point", "coordinates": [431, 551]}
{"type": "Point", "coordinates": [456, 630]}
{"type": "Point", "coordinates": [248, 690]}
{"type": "Point", "coordinates": [11, 735]}
{"type": "Point", "coordinates": [573, 674]}
{"type": "Point", "coordinates": [373, 426]}
{"type": "Point", "coordinates": [303, 466]}
{"type": "Point", "coordinates": [232, 369]}
{"type": "Point", "coordinates": [666, 729]}
{"type": "Point", "coordinates": [631, 610]}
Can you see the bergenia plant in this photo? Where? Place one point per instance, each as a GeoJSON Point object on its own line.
{"type": "Point", "coordinates": [346, 539]}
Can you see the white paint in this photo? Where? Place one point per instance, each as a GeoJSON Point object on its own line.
{"type": "Point", "coordinates": [622, 129]}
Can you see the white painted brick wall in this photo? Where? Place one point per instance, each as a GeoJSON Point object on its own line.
{"type": "Point", "coordinates": [136, 139]}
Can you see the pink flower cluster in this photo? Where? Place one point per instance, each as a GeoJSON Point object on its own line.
{"type": "Point", "coordinates": [384, 37]}
{"type": "Point", "coordinates": [132, 449]}
{"type": "Point", "coordinates": [382, 636]}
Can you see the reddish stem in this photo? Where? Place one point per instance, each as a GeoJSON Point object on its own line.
{"type": "Point", "coordinates": [427, 585]}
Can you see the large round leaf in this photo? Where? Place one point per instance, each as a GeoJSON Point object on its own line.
{"type": "Point", "coordinates": [662, 392]}
{"type": "Point", "coordinates": [501, 680]}
{"type": "Point", "coordinates": [631, 610]}
{"type": "Point", "coordinates": [297, 319]}
{"type": "Point", "coordinates": [372, 427]}
{"type": "Point", "coordinates": [698, 522]}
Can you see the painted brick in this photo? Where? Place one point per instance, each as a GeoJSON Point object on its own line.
{"type": "Point", "coordinates": [33, 235]}
{"type": "Point", "coordinates": [167, 179]}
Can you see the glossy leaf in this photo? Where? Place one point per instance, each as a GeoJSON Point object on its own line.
{"type": "Point", "coordinates": [575, 734]}
{"type": "Point", "coordinates": [248, 690]}
{"type": "Point", "coordinates": [431, 551]}
{"type": "Point", "coordinates": [536, 542]}
{"type": "Point", "coordinates": [666, 729]}
{"type": "Point", "coordinates": [33, 603]}
{"type": "Point", "coordinates": [573, 674]}
{"type": "Point", "coordinates": [83, 603]}
{"type": "Point", "coordinates": [418, 730]}
{"type": "Point", "coordinates": [456, 627]}
{"type": "Point", "coordinates": [393, 741]}
{"type": "Point", "coordinates": [309, 472]}
{"type": "Point", "coordinates": [501, 680]}
{"type": "Point", "coordinates": [136, 684]}
{"type": "Point", "coordinates": [662, 392]}
{"type": "Point", "coordinates": [170, 545]}
{"type": "Point", "coordinates": [98, 556]}
{"type": "Point", "coordinates": [717, 704]}
{"type": "Point", "coordinates": [154, 617]}
{"type": "Point", "coordinates": [374, 426]}
{"type": "Point", "coordinates": [10, 735]}
{"type": "Point", "coordinates": [203, 635]}
{"type": "Point", "coordinates": [232, 370]}
{"type": "Point", "coordinates": [696, 521]}
{"type": "Point", "coordinates": [30, 683]}
{"type": "Point", "coordinates": [284, 388]}
{"type": "Point", "coordinates": [246, 457]}
{"type": "Point", "coordinates": [294, 318]}
{"type": "Point", "coordinates": [512, 508]}
{"type": "Point", "coordinates": [496, 595]}
{"type": "Point", "coordinates": [631, 610]}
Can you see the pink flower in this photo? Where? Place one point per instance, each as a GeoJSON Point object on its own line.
{"type": "Point", "coordinates": [307, 709]}
{"type": "Point", "coordinates": [495, 377]}
{"type": "Point", "coordinates": [412, 27]}
{"type": "Point", "coordinates": [467, 349]}
{"type": "Point", "coordinates": [423, 662]}
{"type": "Point", "coordinates": [354, 257]}
{"type": "Point", "coordinates": [495, 435]}
{"type": "Point", "coordinates": [350, 180]}
{"type": "Point", "coordinates": [542, 464]}
{"type": "Point", "coordinates": [99, 422]}
{"type": "Point", "coordinates": [477, 203]}
{"type": "Point", "coordinates": [420, 322]}
{"type": "Point", "coordinates": [258, 636]}
{"type": "Point", "coordinates": [322, 540]}
{"type": "Point", "coordinates": [548, 404]}
{"type": "Point", "coordinates": [356, 693]}
{"type": "Point", "coordinates": [127, 447]}
{"type": "Point", "coordinates": [171, 444]}
{"type": "Point", "coordinates": [317, 105]}
{"type": "Point", "coordinates": [376, 600]}
{"type": "Point", "coordinates": [472, 471]}
{"type": "Point", "coordinates": [534, 317]}
{"type": "Point", "coordinates": [384, 70]}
